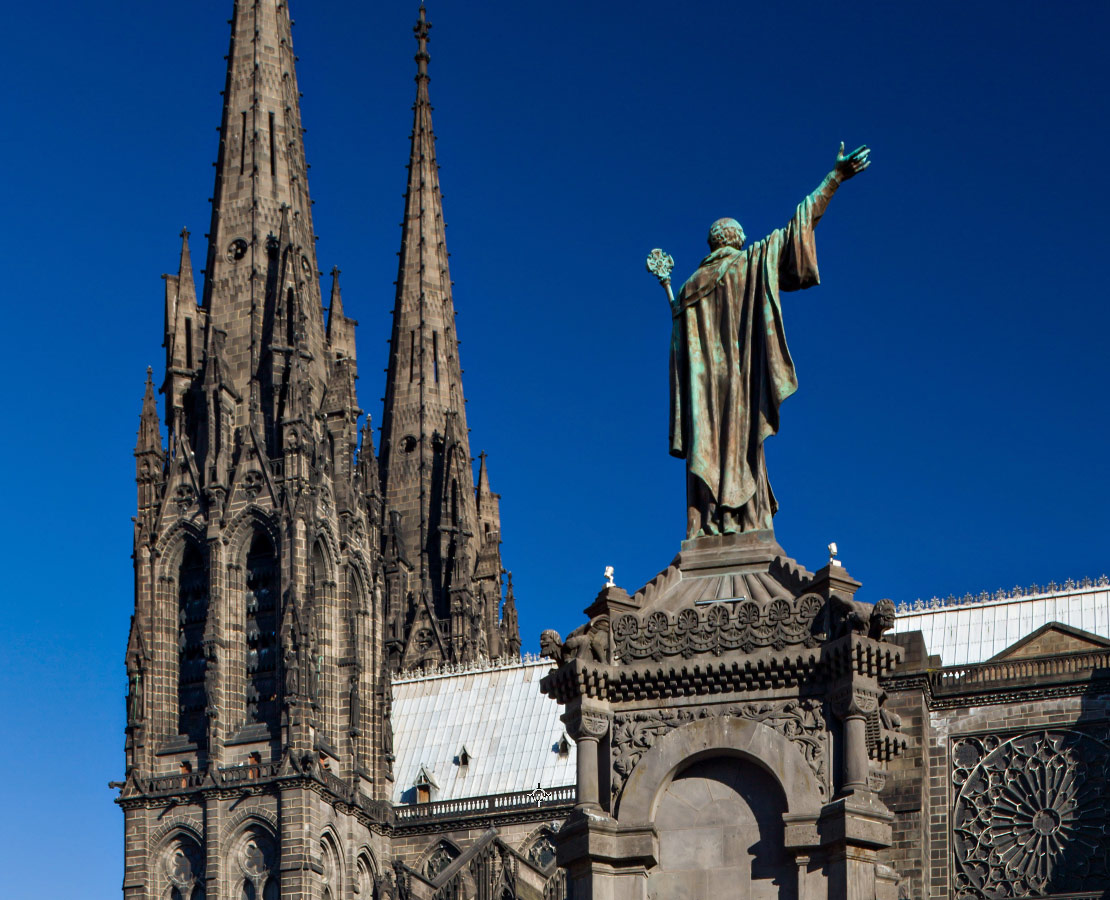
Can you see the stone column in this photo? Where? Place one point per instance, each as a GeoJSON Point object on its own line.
{"type": "Point", "coordinates": [853, 704]}
{"type": "Point", "coordinates": [587, 725]}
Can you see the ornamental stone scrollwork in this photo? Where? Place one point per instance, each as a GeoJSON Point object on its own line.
{"type": "Point", "coordinates": [1030, 815]}
{"type": "Point", "coordinates": [801, 722]}
{"type": "Point", "coordinates": [778, 623]}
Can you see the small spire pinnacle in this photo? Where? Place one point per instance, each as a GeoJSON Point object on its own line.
{"type": "Point", "coordinates": [186, 286]}
{"type": "Point", "coordinates": [483, 476]}
{"type": "Point", "coordinates": [150, 436]}
{"type": "Point", "coordinates": [421, 29]}
{"type": "Point", "coordinates": [335, 310]}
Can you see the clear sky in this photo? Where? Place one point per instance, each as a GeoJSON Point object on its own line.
{"type": "Point", "coordinates": [950, 431]}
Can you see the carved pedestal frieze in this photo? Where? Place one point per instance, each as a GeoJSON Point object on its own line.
{"type": "Point", "coordinates": [1030, 817]}
{"type": "Point", "coordinates": [799, 721]}
{"type": "Point", "coordinates": [777, 624]}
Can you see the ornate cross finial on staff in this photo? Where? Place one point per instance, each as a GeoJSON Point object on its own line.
{"type": "Point", "coordinates": [660, 265]}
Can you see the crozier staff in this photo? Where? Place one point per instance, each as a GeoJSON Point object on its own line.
{"type": "Point", "coordinates": [730, 366]}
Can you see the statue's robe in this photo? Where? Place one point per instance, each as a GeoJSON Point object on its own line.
{"type": "Point", "coordinates": [730, 366]}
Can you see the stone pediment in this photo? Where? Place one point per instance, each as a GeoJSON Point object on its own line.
{"type": "Point", "coordinates": [1052, 640]}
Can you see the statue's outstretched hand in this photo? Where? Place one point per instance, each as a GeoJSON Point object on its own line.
{"type": "Point", "coordinates": [854, 163]}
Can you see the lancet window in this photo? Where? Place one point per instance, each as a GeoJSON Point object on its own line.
{"type": "Point", "coordinates": [192, 611]}
{"type": "Point", "coordinates": [262, 588]}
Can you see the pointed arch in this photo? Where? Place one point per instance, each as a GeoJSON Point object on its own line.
{"type": "Point", "coordinates": [321, 594]}
{"type": "Point", "coordinates": [193, 582]}
{"type": "Point", "coordinates": [262, 607]}
{"type": "Point", "coordinates": [331, 865]}
{"type": "Point", "coordinates": [171, 544]}
{"type": "Point", "coordinates": [240, 531]}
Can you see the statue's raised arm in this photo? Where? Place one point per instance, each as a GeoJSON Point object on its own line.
{"type": "Point", "coordinates": [730, 366]}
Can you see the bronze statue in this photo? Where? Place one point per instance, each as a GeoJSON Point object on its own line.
{"type": "Point", "coordinates": [730, 367]}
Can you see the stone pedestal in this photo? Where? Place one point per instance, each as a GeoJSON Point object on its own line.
{"type": "Point", "coordinates": [725, 715]}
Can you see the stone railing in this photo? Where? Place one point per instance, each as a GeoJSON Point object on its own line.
{"type": "Point", "coordinates": [984, 676]}
{"type": "Point", "coordinates": [183, 781]}
{"type": "Point", "coordinates": [494, 804]}
{"type": "Point", "coordinates": [232, 775]}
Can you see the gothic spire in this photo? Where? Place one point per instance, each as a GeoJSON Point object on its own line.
{"type": "Point", "coordinates": [425, 452]}
{"type": "Point", "coordinates": [261, 184]}
{"type": "Point", "coordinates": [150, 435]}
{"type": "Point", "coordinates": [341, 330]}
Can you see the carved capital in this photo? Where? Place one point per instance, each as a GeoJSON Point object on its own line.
{"type": "Point", "coordinates": [856, 701]}
{"type": "Point", "coordinates": [587, 723]}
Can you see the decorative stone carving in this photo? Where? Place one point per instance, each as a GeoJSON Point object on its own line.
{"type": "Point", "coordinates": [799, 721]}
{"type": "Point", "coordinates": [853, 616]}
{"type": "Point", "coordinates": [253, 482]}
{"type": "Point", "coordinates": [541, 852]}
{"type": "Point", "coordinates": [589, 642]}
{"type": "Point", "coordinates": [439, 859]}
{"type": "Point", "coordinates": [777, 624]}
{"type": "Point", "coordinates": [1030, 815]}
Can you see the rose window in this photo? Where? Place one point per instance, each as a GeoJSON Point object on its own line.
{"type": "Point", "coordinates": [1030, 817]}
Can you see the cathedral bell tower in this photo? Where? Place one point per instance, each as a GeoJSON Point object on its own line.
{"type": "Point", "coordinates": [443, 546]}
{"type": "Point", "coordinates": [258, 701]}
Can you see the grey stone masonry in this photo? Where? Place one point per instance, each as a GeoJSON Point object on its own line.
{"type": "Point", "coordinates": [730, 728]}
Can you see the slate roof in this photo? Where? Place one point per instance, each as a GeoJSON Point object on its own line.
{"type": "Point", "coordinates": [972, 631]}
{"type": "Point", "coordinates": [511, 731]}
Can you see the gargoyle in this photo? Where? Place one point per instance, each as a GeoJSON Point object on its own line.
{"type": "Point", "coordinates": [588, 642]}
{"type": "Point", "coordinates": [854, 616]}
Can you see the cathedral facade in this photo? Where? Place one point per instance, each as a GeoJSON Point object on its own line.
{"type": "Point", "coordinates": [283, 572]}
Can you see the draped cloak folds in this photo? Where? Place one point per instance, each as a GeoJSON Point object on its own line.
{"type": "Point", "coordinates": [730, 366]}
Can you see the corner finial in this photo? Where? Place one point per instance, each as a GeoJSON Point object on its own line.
{"type": "Point", "coordinates": [421, 29]}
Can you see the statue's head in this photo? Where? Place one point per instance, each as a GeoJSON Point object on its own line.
{"type": "Point", "coordinates": [726, 233]}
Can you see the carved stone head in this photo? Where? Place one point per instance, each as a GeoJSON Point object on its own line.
{"type": "Point", "coordinates": [551, 645]}
{"type": "Point", "coordinates": [726, 233]}
{"type": "Point", "coordinates": [882, 618]}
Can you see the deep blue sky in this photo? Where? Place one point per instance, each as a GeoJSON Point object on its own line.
{"type": "Point", "coordinates": [950, 431]}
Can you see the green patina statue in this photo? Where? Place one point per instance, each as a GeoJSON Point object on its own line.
{"type": "Point", "coordinates": [730, 366]}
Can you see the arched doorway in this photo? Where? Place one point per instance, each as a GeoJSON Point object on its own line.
{"type": "Point", "coordinates": [720, 828]}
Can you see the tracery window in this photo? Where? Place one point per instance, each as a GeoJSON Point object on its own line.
{"type": "Point", "coordinates": [541, 850]}
{"type": "Point", "coordinates": [330, 876]}
{"type": "Point", "coordinates": [192, 611]}
{"type": "Point", "coordinates": [258, 859]}
{"type": "Point", "coordinates": [261, 622]}
{"type": "Point", "coordinates": [184, 870]}
{"type": "Point", "coordinates": [363, 885]}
